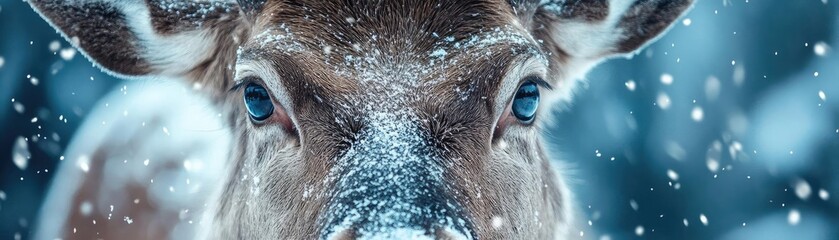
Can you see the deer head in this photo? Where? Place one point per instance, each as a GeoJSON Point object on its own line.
{"type": "Point", "coordinates": [374, 119]}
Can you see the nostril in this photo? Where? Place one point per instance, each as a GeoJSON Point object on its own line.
{"type": "Point", "coordinates": [399, 233]}
{"type": "Point", "coordinates": [391, 188]}
{"type": "Point", "coordinates": [450, 234]}
{"type": "Point", "coordinates": [343, 234]}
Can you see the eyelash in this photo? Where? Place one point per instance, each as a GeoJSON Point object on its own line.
{"type": "Point", "coordinates": [536, 79]}
{"type": "Point", "coordinates": [243, 82]}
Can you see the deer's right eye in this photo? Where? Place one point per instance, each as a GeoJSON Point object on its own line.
{"type": "Point", "coordinates": [258, 102]}
{"type": "Point", "coordinates": [525, 102]}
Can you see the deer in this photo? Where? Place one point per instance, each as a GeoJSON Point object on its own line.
{"type": "Point", "coordinates": [338, 119]}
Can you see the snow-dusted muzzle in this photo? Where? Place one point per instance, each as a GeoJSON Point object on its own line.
{"type": "Point", "coordinates": [390, 185]}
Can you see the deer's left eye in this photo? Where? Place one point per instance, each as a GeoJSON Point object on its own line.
{"type": "Point", "coordinates": [526, 101]}
{"type": "Point", "coordinates": [258, 102]}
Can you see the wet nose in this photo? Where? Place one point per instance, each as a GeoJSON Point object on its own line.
{"type": "Point", "coordinates": [386, 200]}
{"type": "Point", "coordinates": [402, 233]}
{"type": "Point", "coordinates": [390, 184]}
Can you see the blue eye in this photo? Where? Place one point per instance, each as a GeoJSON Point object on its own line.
{"type": "Point", "coordinates": [526, 101]}
{"type": "Point", "coordinates": [258, 102]}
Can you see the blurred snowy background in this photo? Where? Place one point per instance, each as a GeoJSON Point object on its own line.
{"type": "Point", "coordinates": [726, 128]}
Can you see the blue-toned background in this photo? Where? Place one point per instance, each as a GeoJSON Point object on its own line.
{"type": "Point", "coordinates": [733, 115]}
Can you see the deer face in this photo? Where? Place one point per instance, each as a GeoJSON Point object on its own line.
{"type": "Point", "coordinates": [390, 125]}
{"type": "Point", "coordinates": [374, 119]}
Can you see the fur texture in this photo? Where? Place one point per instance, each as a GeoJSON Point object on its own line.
{"type": "Point", "coordinates": [383, 109]}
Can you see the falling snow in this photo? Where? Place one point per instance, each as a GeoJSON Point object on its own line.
{"type": "Point", "coordinates": [86, 208]}
{"type": "Point", "coordinates": [739, 75]}
{"type": "Point", "coordinates": [19, 108]}
{"type": "Point", "coordinates": [672, 175]}
{"type": "Point", "coordinates": [666, 79]}
{"type": "Point", "coordinates": [802, 189]}
{"type": "Point", "coordinates": [663, 101]}
{"type": "Point", "coordinates": [20, 153]}
{"type": "Point", "coordinates": [84, 163]}
{"type": "Point", "coordinates": [68, 53]}
{"type": "Point", "coordinates": [719, 130]}
{"type": "Point", "coordinates": [54, 46]}
{"type": "Point", "coordinates": [821, 49]}
{"type": "Point", "coordinates": [630, 85]}
{"type": "Point", "coordinates": [697, 114]}
{"type": "Point", "coordinates": [824, 195]}
{"type": "Point", "coordinates": [497, 222]}
{"type": "Point", "coordinates": [794, 217]}
{"type": "Point", "coordinates": [712, 88]}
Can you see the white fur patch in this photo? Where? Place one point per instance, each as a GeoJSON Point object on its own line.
{"type": "Point", "coordinates": [171, 55]}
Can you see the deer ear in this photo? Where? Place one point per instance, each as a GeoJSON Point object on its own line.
{"type": "Point", "coordinates": [140, 38]}
{"type": "Point", "coordinates": [594, 29]}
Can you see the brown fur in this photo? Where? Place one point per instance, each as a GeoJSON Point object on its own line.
{"type": "Point", "coordinates": [101, 30]}
{"type": "Point", "coordinates": [189, 15]}
{"type": "Point", "coordinates": [327, 63]}
{"type": "Point", "coordinates": [646, 18]}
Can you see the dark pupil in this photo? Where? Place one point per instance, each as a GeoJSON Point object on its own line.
{"type": "Point", "coordinates": [258, 102]}
{"type": "Point", "coordinates": [526, 101]}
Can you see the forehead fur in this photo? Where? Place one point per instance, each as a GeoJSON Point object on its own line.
{"type": "Point", "coordinates": [432, 55]}
{"type": "Point", "coordinates": [406, 37]}
{"type": "Point", "coordinates": [398, 26]}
